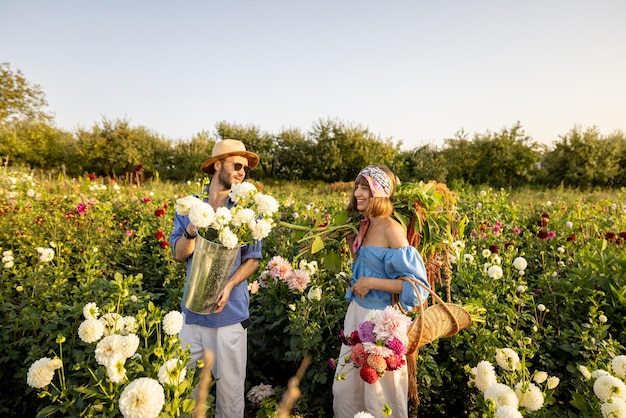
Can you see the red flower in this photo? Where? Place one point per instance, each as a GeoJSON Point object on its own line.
{"type": "Point", "coordinates": [545, 215]}
{"type": "Point", "coordinates": [622, 234]}
{"type": "Point", "coordinates": [159, 212]}
{"type": "Point", "coordinates": [493, 249]}
{"type": "Point", "coordinates": [159, 235]}
{"type": "Point", "coordinates": [542, 234]}
{"type": "Point", "coordinates": [571, 238]}
{"type": "Point", "coordinates": [92, 176]}
{"type": "Point", "coordinates": [610, 236]}
{"type": "Point", "coordinates": [164, 244]}
{"type": "Point", "coordinates": [542, 222]}
{"type": "Point", "coordinates": [368, 374]}
{"type": "Point", "coordinates": [394, 362]}
{"type": "Point", "coordinates": [509, 245]}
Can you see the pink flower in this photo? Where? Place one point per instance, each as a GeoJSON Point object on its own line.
{"type": "Point", "coordinates": [129, 232]}
{"type": "Point", "coordinates": [298, 279]}
{"type": "Point", "coordinates": [279, 268]}
{"type": "Point", "coordinates": [359, 356]}
{"type": "Point", "coordinates": [397, 346]}
{"type": "Point", "coordinates": [517, 230]}
{"type": "Point", "coordinates": [377, 362]}
{"type": "Point", "coordinates": [394, 362]}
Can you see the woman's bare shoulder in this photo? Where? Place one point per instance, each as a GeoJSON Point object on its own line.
{"type": "Point", "coordinates": [395, 234]}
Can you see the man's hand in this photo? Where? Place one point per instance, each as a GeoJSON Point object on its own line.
{"type": "Point", "coordinates": [223, 299]}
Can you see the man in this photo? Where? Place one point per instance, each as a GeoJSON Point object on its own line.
{"type": "Point", "coordinates": [224, 331]}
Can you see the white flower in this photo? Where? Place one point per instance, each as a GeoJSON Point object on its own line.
{"type": "Point", "coordinates": [228, 238]}
{"type": "Point", "coordinates": [242, 192]}
{"type": "Point", "coordinates": [46, 254]}
{"type": "Point", "coordinates": [113, 323]}
{"type": "Point", "coordinates": [597, 373]}
{"type": "Point", "coordinates": [315, 293]}
{"type": "Point", "coordinates": [608, 386]}
{"type": "Point", "coordinates": [258, 393]}
{"type": "Point", "coordinates": [201, 214]}
{"type": "Point", "coordinates": [142, 398]}
{"type": "Point", "coordinates": [172, 322]}
{"type": "Point", "coordinates": [91, 311]}
{"type": "Point", "coordinates": [530, 397]}
{"type": "Point", "coordinates": [614, 408]}
{"type": "Point", "coordinates": [292, 306]}
{"type": "Point", "coordinates": [540, 377]}
{"type": "Point", "coordinates": [222, 217]}
{"type": "Point", "coordinates": [618, 366]}
{"type": "Point", "coordinates": [129, 324]}
{"type": "Point", "coordinates": [109, 348]}
{"type": "Point", "coordinates": [507, 359]}
{"type": "Point", "coordinates": [508, 412]}
{"type": "Point", "coordinates": [585, 372]}
{"type": "Point", "coordinates": [9, 264]}
{"type": "Point", "coordinates": [561, 249]}
{"type": "Point", "coordinates": [242, 216]}
{"type": "Point", "coordinates": [55, 363]}
{"type": "Point", "coordinates": [172, 373]}
{"type": "Point", "coordinates": [541, 307]}
{"type": "Point", "coordinates": [130, 345]}
{"type": "Point", "coordinates": [495, 272]}
{"type": "Point", "coordinates": [184, 204]}
{"type": "Point", "coordinates": [486, 253]}
{"type": "Point", "coordinates": [116, 370]}
{"type": "Point", "coordinates": [363, 414]}
{"type": "Point", "coordinates": [311, 267]}
{"type": "Point", "coordinates": [520, 263]}
{"type": "Point", "coordinates": [553, 382]}
{"type": "Point", "coordinates": [602, 319]}
{"type": "Point", "coordinates": [40, 374]}
{"type": "Point", "coordinates": [521, 289]}
{"type": "Point", "coordinates": [468, 258]}
{"type": "Point", "coordinates": [261, 229]}
{"type": "Point", "coordinates": [91, 330]}
{"type": "Point", "coordinates": [502, 395]}
{"type": "Point", "coordinates": [7, 253]}
{"type": "Point", "coordinates": [484, 375]}
{"type": "Point", "coordinates": [496, 259]}
{"type": "Point", "coordinates": [266, 204]}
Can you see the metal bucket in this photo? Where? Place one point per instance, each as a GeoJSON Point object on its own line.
{"type": "Point", "coordinates": [209, 271]}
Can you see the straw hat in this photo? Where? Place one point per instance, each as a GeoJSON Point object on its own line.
{"type": "Point", "coordinates": [226, 148]}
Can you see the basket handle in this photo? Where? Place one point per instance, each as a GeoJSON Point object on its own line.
{"type": "Point", "coordinates": [435, 296]}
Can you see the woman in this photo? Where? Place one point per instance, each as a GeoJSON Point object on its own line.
{"type": "Point", "coordinates": [382, 255]}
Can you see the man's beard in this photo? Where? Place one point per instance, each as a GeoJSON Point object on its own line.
{"type": "Point", "coordinates": [224, 180]}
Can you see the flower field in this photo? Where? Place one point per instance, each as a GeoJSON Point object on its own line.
{"type": "Point", "coordinates": [543, 274]}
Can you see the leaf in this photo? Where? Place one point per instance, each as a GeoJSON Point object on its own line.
{"type": "Point", "coordinates": [318, 245]}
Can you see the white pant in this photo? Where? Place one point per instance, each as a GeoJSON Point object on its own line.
{"type": "Point", "coordinates": [229, 346]}
{"type": "Point", "coordinates": [352, 394]}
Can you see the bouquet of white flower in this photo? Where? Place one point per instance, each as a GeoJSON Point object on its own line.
{"type": "Point", "coordinates": [251, 218]}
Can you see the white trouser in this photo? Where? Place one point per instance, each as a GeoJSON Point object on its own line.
{"type": "Point", "coordinates": [229, 346]}
{"type": "Point", "coordinates": [352, 394]}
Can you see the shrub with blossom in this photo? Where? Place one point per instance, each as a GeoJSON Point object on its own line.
{"type": "Point", "coordinates": [378, 344]}
{"type": "Point", "coordinates": [517, 391]}
{"type": "Point", "coordinates": [128, 367]}
{"type": "Point", "coordinates": [280, 270]}
{"type": "Point", "coordinates": [251, 218]}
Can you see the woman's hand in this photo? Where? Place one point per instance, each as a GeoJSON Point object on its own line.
{"type": "Point", "coordinates": [361, 287]}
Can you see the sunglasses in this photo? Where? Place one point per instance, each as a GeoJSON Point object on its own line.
{"type": "Point", "coordinates": [239, 166]}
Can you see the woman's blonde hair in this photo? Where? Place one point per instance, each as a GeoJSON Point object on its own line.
{"type": "Point", "coordinates": [378, 206]}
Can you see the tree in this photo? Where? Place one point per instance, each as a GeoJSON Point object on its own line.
{"type": "Point", "coordinates": [256, 141]}
{"type": "Point", "coordinates": [20, 99]}
{"type": "Point", "coordinates": [421, 164]}
{"type": "Point", "coordinates": [583, 159]}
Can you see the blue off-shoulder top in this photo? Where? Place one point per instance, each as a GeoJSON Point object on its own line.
{"type": "Point", "coordinates": [391, 264]}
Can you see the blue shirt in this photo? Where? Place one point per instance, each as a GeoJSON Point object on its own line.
{"type": "Point", "coordinates": [389, 263]}
{"type": "Point", "coordinates": [237, 308]}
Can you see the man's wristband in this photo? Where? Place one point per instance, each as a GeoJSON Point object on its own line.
{"type": "Point", "coordinates": [186, 235]}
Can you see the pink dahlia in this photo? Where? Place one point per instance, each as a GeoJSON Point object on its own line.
{"type": "Point", "coordinates": [395, 361]}
{"type": "Point", "coordinates": [397, 346]}
{"type": "Point", "coordinates": [359, 356]}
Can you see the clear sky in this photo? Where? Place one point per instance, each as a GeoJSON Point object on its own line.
{"type": "Point", "coordinates": [414, 71]}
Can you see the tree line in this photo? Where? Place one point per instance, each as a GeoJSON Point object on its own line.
{"type": "Point", "coordinates": [331, 151]}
